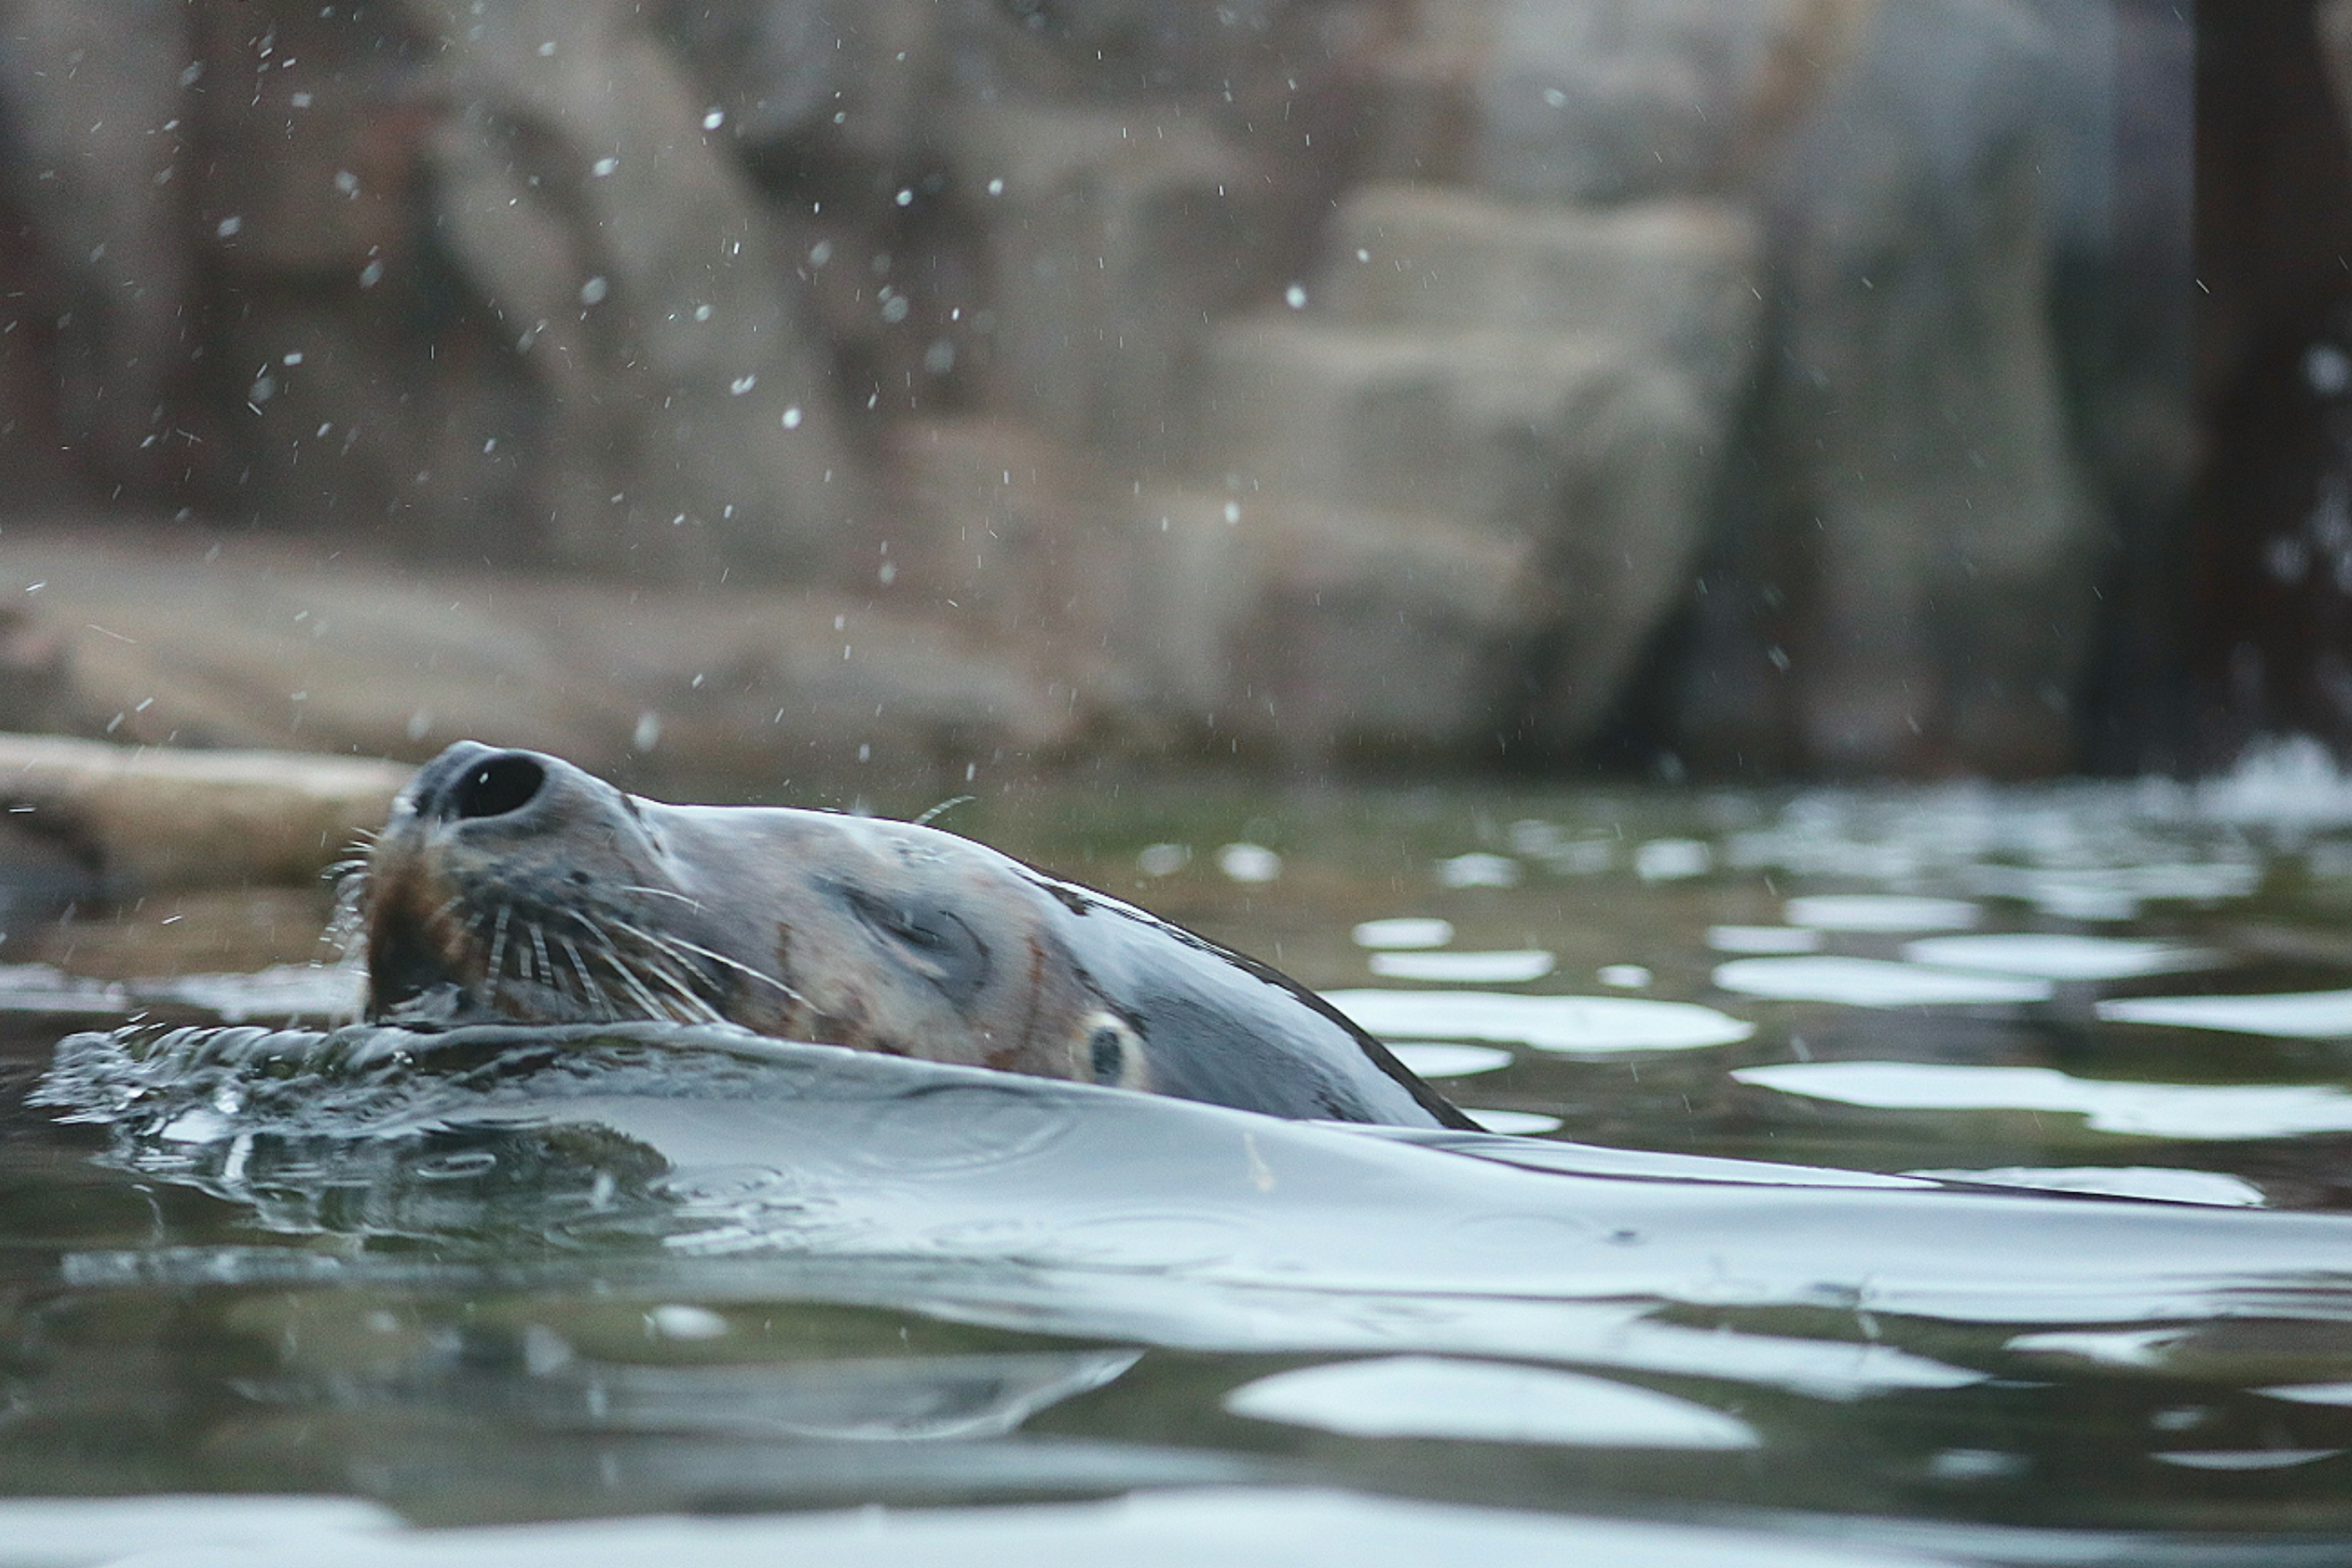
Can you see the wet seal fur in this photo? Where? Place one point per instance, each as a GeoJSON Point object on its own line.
{"type": "Point", "coordinates": [512, 887]}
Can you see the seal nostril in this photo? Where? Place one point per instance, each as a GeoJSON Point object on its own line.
{"type": "Point", "coordinates": [496, 787]}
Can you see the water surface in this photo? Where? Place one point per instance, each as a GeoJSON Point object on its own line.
{"type": "Point", "coordinates": [1947, 1175]}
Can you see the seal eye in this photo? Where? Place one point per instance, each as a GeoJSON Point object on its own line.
{"type": "Point", "coordinates": [1111, 1051]}
{"type": "Point", "coordinates": [935, 942]}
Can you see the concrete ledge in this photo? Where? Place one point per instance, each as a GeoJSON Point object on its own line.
{"type": "Point", "coordinates": [147, 818]}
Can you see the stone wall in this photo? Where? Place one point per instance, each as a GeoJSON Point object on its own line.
{"type": "Point", "coordinates": [1455, 379]}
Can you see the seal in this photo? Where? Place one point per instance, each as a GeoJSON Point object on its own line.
{"type": "Point", "coordinates": [511, 885]}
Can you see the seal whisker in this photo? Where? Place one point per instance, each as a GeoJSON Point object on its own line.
{"type": "Point", "coordinates": [546, 966]}
{"type": "Point", "coordinates": [673, 976]}
{"type": "Point", "coordinates": [639, 968]}
{"type": "Point", "coordinates": [943, 809]}
{"type": "Point", "coordinates": [440, 916]}
{"type": "Point", "coordinates": [666, 893]}
{"type": "Point", "coordinates": [654, 1011]}
{"type": "Point", "coordinates": [497, 966]}
{"type": "Point", "coordinates": [588, 981]}
{"type": "Point", "coordinates": [675, 943]}
{"type": "Point", "coordinates": [698, 1006]}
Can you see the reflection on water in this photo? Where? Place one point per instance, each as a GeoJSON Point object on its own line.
{"type": "Point", "coordinates": [1920, 1203]}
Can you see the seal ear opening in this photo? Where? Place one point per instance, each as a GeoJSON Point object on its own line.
{"type": "Point", "coordinates": [1112, 1051]}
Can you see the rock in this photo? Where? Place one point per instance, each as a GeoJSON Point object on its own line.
{"type": "Point", "coordinates": [837, 80]}
{"type": "Point", "coordinates": [998, 531]}
{"type": "Point", "coordinates": [36, 674]}
{"type": "Point", "coordinates": [1916, 428]}
{"type": "Point", "coordinates": [1604, 100]}
{"type": "Point", "coordinates": [1420, 122]}
{"type": "Point", "coordinates": [2332, 20]}
{"type": "Point", "coordinates": [740, 692]}
{"type": "Point", "coordinates": [1117, 239]}
{"type": "Point", "coordinates": [649, 292]}
{"type": "Point", "coordinates": [149, 819]}
{"type": "Point", "coordinates": [1680, 276]}
{"type": "Point", "coordinates": [1576, 453]}
{"type": "Point", "coordinates": [96, 97]}
{"type": "Point", "coordinates": [365, 390]}
{"type": "Point", "coordinates": [1316, 633]}
{"type": "Point", "coordinates": [1468, 425]}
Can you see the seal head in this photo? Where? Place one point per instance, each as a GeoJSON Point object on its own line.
{"type": "Point", "coordinates": [512, 885]}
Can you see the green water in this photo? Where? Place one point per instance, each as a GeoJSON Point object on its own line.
{"type": "Point", "coordinates": [609, 1306]}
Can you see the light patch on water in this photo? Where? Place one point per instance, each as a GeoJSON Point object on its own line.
{"type": "Point", "coordinates": [1508, 967]}
{"type": "Point", "coordinates": [1485, 1401]}
{"type": "Point", "coordinates": [41, 988]}
{"type": "Point", "coordinates": [1624, 976]}
{"type": "Point", "coordinates": [1874, 983]}
{"type": "Point", "coordinates": [2212, 1188]}
{"type": "Point", "coordinates": [1162, 859]}
{"type": "Point", "coordinates": [2311, 1392]}
{"type": "Point", "coordinates": [1516, 1123]}
{"type": "Point", "coordinates": [1672, 860]}
{"type": "Point", "coordinates": [1478, 870]}
{"type": "Point", "coordinates": [1403, 931]}
{"type": "Point", "coordinates": [1764, 939]}
{"type": "Point", "coordinates": [2295, 1015]}
{"type": "Point", "coordinates": [684, 1321]}
{"type": "Point", "coordinates": [2115, 893]}
{"type": "Point", "coordinates": [1249, 863]}
{"type": "Point", "coordinates": [1162, 1525]}
{"type": "Point", "coordinates": [1881, 912]}
{"type": "Point", "coordinates": [2203, 1113]}
{"type": "Point", "coordinates": [1429, 1058]}
{"type": "Point", "coordinates": [2288, 781]}
{"type": "Point", "coordinates": [2058, 956]}
{"type": "Point", "coordinates": [282, 991]}
{"type": "Point", "coordinates": [1569, 1025]}
{"type": "Point", "coordinates": [2139, 1348]}
{"type": "Point", "coordinates": [2244, 1458]}
{"type": "Point", "coordinates": [76, 1531]}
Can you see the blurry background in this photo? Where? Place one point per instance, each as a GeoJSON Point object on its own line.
{"type": "Point", "coordinates": [907, 389]}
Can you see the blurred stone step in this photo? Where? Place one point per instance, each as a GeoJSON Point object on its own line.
{"type": "Point", "coordinates": [1678, 276]}
{"type": "Point", "coordinates": [256, 642]}
{"type": "Point", "coordinates": [1421, 119]}
{"type": "Point", "coordinates": [141, 818]}
{"type": "Point", "coordinates": [1482, 426]}
{"type": "Point", "coordinates": [1115, 236]}
{"type": "Point", "coordinates": [1303, 629]}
